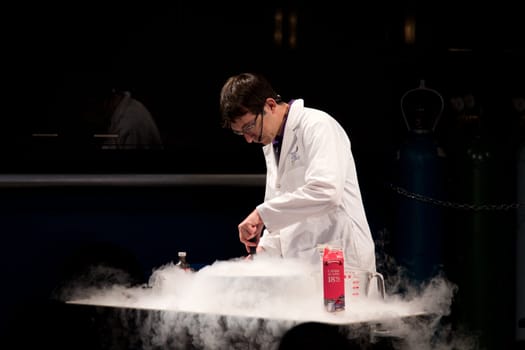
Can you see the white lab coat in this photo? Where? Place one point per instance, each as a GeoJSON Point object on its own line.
{"type": "Point", "coordinates": [313, 196]}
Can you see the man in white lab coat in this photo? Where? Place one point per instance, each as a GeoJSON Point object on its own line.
{"type": "Point", "coordinates": [312, 191]}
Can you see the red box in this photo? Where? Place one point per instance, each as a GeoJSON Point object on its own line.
{"type": "Point", "coordinates": [334, 279]}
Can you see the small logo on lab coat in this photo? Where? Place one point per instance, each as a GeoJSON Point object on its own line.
{"type": "Point", "coordinates": [294, 156]}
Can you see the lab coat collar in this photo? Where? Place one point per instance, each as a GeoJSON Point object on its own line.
{"type": "Point", "coordinates": [290, 137]}
{"type": "Point", "coordinates": [290, 129]}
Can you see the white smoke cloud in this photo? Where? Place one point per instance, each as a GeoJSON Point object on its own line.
{"type": "Point", "coordinates": [239, 304]}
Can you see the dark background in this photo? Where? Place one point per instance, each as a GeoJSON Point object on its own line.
{"type": "Point", "coordinates": [353, 61]}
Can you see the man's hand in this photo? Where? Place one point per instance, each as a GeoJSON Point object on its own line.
{"type": "Point", "coordinates": [250, 230]}
{"type": "Point", "coordinates": [259, 250]}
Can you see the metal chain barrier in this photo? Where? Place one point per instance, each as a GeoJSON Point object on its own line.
{"type": "Point", "coordinates": [463, 206]}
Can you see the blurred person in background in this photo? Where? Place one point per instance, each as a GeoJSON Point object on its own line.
{"type": "Point", "coordinates": [92, 112]}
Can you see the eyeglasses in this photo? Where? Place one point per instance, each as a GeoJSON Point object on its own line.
{"type": "Point", "coordinates": [247, 127]}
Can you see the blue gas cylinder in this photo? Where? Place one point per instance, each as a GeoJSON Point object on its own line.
{"type": "Point", "coordinates": [421, 164]}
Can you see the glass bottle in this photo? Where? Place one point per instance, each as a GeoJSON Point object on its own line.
{"type": "Point", "coordinates": [183, 263]}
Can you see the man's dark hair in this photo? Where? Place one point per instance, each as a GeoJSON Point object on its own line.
{"type": "Point", "coordinates": [243, 93]}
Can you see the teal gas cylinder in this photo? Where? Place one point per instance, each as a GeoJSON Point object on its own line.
{"type": "Point", "coordinates": [483, 177]}
{"type": "Point", "coordinates": [520, 246]}
{"type": "Point", "coordinates": [519, 107]}
{"type": "Point", "coordinates": [475, 230]}
{"type": "Point", "coordinates": [418, 233]}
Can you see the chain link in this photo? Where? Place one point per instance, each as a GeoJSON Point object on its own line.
{"type": "Point", "coordinates": [463, 206]}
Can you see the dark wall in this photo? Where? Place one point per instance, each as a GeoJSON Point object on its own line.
{"type": "Point", "coordinates": [60, 239]}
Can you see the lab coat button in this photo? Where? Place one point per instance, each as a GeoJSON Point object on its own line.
{"type": "Point", "coordinates": [278, 186]}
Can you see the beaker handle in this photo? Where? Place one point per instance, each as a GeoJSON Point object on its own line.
{"type": "Point", "coordinates": [380, 283]}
